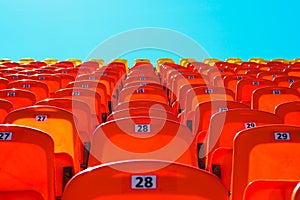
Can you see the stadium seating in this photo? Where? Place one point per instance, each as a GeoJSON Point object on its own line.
{"type": "Point", "coordinates": [69, 128]}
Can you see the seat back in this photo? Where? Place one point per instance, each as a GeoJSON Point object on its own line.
{"type": "Point", "coordinates": [146, 179]}
{"type": "Point", "coordinates": [142, 138]}
{"type": "Point", "coordinates": [261, 97]}
{"type": "Point", "coordinates": [27, 163]}
{"type": "Point", "coordinates": [265, 153]}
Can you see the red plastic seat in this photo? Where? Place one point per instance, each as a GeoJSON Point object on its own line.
{"type": "Point", "coordinates": [60, 125]}
{"type": "Point", "coordinates": [27, 164]}
{"type": "Point", "coordinates": [265, 153]}
{"type": "Point", "coordinates": [19, 98]}
{"type": "Point", "coordinates": [144, 179]}
{"type": "Point", "coordinates": [261, 97]}
{"type": "Point", "coordinates": [142, 138]}
{"type": "Point", "coordinates": [39, 88]}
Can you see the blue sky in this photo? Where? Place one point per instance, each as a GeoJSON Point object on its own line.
{"type": "Point", "coordinates": [73, 28]}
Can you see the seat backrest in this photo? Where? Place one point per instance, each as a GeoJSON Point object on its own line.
{"type": "Point", "coordinates": [92, 85]}
{"type": "Point", "coordinates": [57, 122]}
{"type": "Point", "coordinates": [146, 179]}
{"type": "Point", "coordinates": [92, 98]}
{"type": "Point", "coordinates": [261, 97]}
{"type": "Point", "coordinates": [142, 93]}
{"type": "Point", "coordinates": [39, 88]}
{"type": "Point", "coordinates": [27, 169]}
{"type": "Point", "coordinates": [78, 108]}
{"type": "Point", "coordinates": [265, 153]}
{"type": "Point", "coordinates": [142, 103]}
{"type": "Point", "coordinates": [204, 111]}
{"type": "Point", "coordinates": [202, 94]}
{"type": "Point", "coordinates": [285, 81]}
{"type": "Point", "coordinates": [142, 111]}
{"type": "Point", "coordinates": [142, 138]}
{"type": "Point", "coordinates": [245, 88]}
{"type": "Point", "coordinates": [53, 81]}
{"type": "Point", "coordinates": [19, 98]}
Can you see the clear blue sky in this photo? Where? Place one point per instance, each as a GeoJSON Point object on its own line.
{"type": "Point", "coordinates": [72, 28]}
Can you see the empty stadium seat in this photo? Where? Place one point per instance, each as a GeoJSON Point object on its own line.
{"type": "Point", "coordinates": [27, 164]}
{"type": "Point", "coordinates": [19, 98]}
{"type": "Point", "coordinates": [59, 124]}
{"type": "Point", "coordinates": [142, 138]}
{"type": "Point", "coordinates": [199, 119]}
{"type": "Point", "coordinates": [144, 179]}
{"type": "Point", "coordinates": [261, 97]}
{"type": "Point", "coordinates": [39, 88]}
{"type": "Point", "coordinates": [222, 129]}
{"type": "Point", "coordinates": [265, 153]}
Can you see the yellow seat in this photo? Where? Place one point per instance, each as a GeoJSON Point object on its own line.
{"type": "Point", "coordinates": [122, 60]}
{"type": "Point", "coordinates": [256, 60]}
{"type": "Point", "coordinates": [75, 61]}
{"type": "Point", "coordinates": [211, 61]}
{"type": "Point", "coordinates": [144, 60]}
{"type": "Point", "coordinates": [50, 61]}
{"type": "Point", "coordinates": [185, 61]}
{"type": "Point", "coordinates": [26, 60]}
{"type": "Point", "coordinates": [163, 60]}
{"type": "Point", "coordinates": [234, 60]}
{"type": "Point", "coordinates": [4, 60]}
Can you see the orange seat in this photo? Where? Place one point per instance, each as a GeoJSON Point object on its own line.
{"type": "Point", "coordinates": [142, 138]}
{"type": "Point", "coordinates": [59, 124]}
{"type": "Point", "coordinates": [93, 85]}
{"type": "Point", "coordinates": [142, 103]}
{"type": "Point", "coordinates": [261, 97]}
{"type": "Point", "coordinates": [19, 98]}
{"type": "Point", "coordinates": [142, 111]}
{"type": "Point", "coordinates": [179, 103]}
{"type": "Point", "coordinates": [92, 98]}
{"type": "Point", "coordinates": [199, 119]}
{"type": "Point", "coordinates": [144, 179]}
{"type": "Point", "coordinates": [202, 94]}
{"type": "Point", "coordinates": [142, 93]}
{"type": "Point", "coordinates": [265, 153]}
{"type": "Point", "coordinates": [39, 88]}
{"type": "Point", "coordinates": [245, 88]}
{"type": "Point", "coordinates": [53, 81]}
{"type": "Point", "coordinates": [285, 81]}
{"type": "Point", "coordinates": [230, 81]}
{"type": "Point", "coordinates": [269, 189]}
{"type": "Point", "coordinates": [107, 81]}
{"type": "Point", "coordinates": [27, 164]}
{"type": "Point", "coordinates": [81, 111]}
{"type": "Point", "coordinates": [220, 136]}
